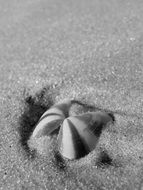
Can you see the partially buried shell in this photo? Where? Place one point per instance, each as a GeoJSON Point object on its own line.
{"type": "Point", "coordinates": [52, 119]}
{"type": "Point", "coordinates": [79, 134]}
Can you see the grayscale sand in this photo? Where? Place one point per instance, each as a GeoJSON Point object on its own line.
{"type": "Point", "coordinates": [52, 50]}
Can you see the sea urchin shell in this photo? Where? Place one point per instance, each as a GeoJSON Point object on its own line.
{"type": "Point", "coordinates": [52, 119]}
{"type": "Point", "coordinates": [79, 135]}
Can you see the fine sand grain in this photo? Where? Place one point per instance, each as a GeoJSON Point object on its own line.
{"type": "Point", "coordinates": [91, 51]}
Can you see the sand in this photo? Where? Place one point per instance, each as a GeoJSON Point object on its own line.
{"type": "Point", "coordinates": [87, 50]}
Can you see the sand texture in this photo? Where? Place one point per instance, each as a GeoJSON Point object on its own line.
{"type": "Point", "coordinates": [91, 51]}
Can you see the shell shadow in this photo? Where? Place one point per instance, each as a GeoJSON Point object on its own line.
{"type": "Point", "coordinates": [34, 108]}
{"type": "Point", "coordinates": [59, 161]}
{"type": "Point", "coordinates": [104, 160]}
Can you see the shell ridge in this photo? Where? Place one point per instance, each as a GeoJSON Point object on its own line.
{"type": "Point", "coordinates": [49, 114]}
{"type": "Point", "coordinates": [81, 144]}
{"type": "Point", "coordinates": [84, 117]}
{"type": "Point", "coordinates": [60, 136]}
{"type": "Point", "coordinates": [48, 128]}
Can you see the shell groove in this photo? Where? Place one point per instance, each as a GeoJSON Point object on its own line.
{"type": "Point", "coordinates": [79, 135]}
{"type": "Point", "coordinates": [52, 119]}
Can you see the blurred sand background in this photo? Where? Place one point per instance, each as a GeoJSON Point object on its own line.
{"type": "Point", "coordinates": [56, 49]}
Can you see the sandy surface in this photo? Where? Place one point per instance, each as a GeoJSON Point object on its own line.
{"type": "Point", "coordinates": [87, 50]}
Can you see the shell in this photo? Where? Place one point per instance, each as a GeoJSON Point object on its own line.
{"type": "Point", "coordinates": [52, 119]}
{"type": "Point", "coordinates": [79, 135]}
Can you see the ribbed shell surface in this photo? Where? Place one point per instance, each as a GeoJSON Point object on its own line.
{"type": "Point", "coordinates": [51, 119]}
{"type": "Point", "coordinates": [80, 134]}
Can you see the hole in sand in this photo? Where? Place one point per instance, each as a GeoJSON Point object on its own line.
{"type": "Point", "coordinates": [35, 107]}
